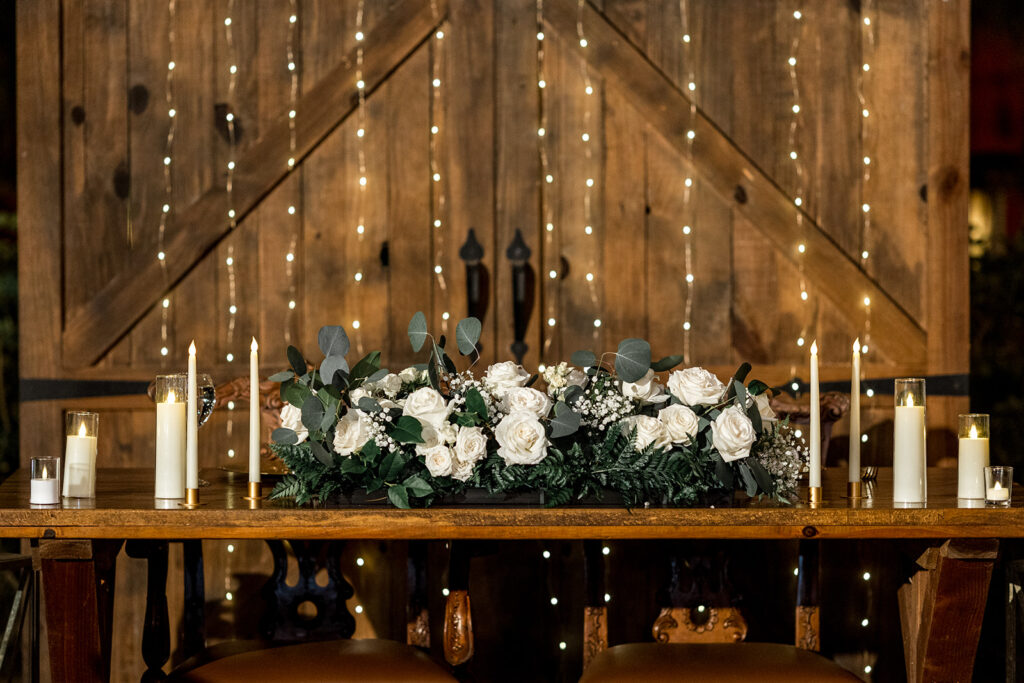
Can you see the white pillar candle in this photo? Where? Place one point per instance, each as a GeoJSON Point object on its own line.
{"type": "Point", "coordinates": [170, 447]}
{"type": "Point", "coordinates": [854, 473]}
{"type": "Point", "coordinates": [814, 478]}
{"type": "Point", "coordinates": [971, 466]}
{"type": "Point", "coordinates": [909, 455]}
{"type": "Point", "coordinates": [192, 424]}
{"type": "Point", "coordinates": [254, 412]}
{"type": "Point", "coordinates": [80, 465]}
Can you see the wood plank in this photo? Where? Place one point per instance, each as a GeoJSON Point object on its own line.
{"type": "Point", "coordinates": [96, 326]}
{"type": "Point", "coordinates": [39, 118]}
{"type": "Point", "coordinates": [517, 177]}
{"type": "Point", "coordinates": [123, 508]}
{"type": "Point", "coordinates": [468, 115]}
{"type": "Point", "coordinates": [942, 608]}
{"type": "Point", "coordinates": [726, 168]}
{"type": "Point", "coordinates": [947, 299]}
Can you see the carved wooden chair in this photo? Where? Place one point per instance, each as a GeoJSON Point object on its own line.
{"type": "Point", "coordinates": [700, 635]}
{"type": "Point", "coordinates": [833, 406]}
{"type": "Point", "coordinates": [300, 643]}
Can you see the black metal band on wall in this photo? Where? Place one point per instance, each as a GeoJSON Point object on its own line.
{"type": "Point", "coordinates": [38, 389]}
{"type": "Point", "coordinates": [937, 385]}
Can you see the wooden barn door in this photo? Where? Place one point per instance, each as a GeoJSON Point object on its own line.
{"type": "Point", "coordinates": [608, 188]}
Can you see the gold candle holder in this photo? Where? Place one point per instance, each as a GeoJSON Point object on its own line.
{"type": "Point", "coordinates": [814, 496]}
{"type": "Point", "coordinates": [255, 491]}
{"type": "Point", "coordinates": [191, 498]}
{"type": "Point", "coordinates": [854, 489]}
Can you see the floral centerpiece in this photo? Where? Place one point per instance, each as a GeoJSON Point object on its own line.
{"type": "Point", "coordinates": [600, 424]}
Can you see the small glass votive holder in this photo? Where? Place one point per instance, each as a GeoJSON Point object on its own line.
{"type": "Point", "coordinates": [80, 454]}
{"type": "Point", "coordinates": [44, 486]}
{"type": "Point", "coordinates": [998, 486]}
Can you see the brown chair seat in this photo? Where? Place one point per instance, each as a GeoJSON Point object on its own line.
{"type": "Point", "coordinates": [762, 662]}
{"type": "Point", "coordinates": [333, 661]}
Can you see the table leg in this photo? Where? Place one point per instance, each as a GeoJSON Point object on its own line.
{"type": "Point", "coordinates": [156, 633]}
{"type": "Point", "coordinates": [942, 607]}
{"type": "Point", "coordinates": [78, 580]}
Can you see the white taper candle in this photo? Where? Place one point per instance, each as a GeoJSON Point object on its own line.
{"type": "Point", "coordinates": [254, 412]}
{"type": "Point", "coordinates": [192, 424]}
{"type": "Point", "coordinates": [814, 478]}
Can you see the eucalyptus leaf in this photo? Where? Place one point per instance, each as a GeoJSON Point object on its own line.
{"type": "Point", "coordinates": [332, 340]}
{"type": "Point", "coordinates": [749, 482]}
{"type": "Point", "coordinates": [298, 363]}
{"type": "Point", "coordinates": [407, 430]}
{"type": "Point", "coordinates": [295, 394]}
{"type": "Point", "coordinates": [432, 376]}
{"type": "Point", "coordinates": [565, 422]}
{"type": "Point", "coordinates": [755, 417]}
{"type": "Point", "coordinates": [330, 418]}
{"type": "Point", "coordinates": [312, 415]}
{"type": "Point", "coordinates": [282, 376]}
{"type": "Point", "coordinates": [666, 363]}
{"type": "Point", "coordinates": [285, 436]}
{"type": "Point", "coordinates": [742, 372]}
{"type": "Point", "coordinates": [321, 453]}
{"type": "Point", "coordinates": [572, 393]}
{"type": "Point", "coordinates": [475, 403]}
{"type": "Point", "coordinates": [330, 366]}
{"type": "Point", "coordinates": [740, 392]}
{"type": "Point", "coordinates": [418, 330]}
{"type": "Point", "coordinates": [378, 376]}
{"type": "Point", "coordinates": [583, 358]}
{"type": "Point", "coordinates": [369, 405]}
{"type": "Point", "coordinates": [764, 479]}
{"type": "Point", "coordinates": [464, 419]}
{"type": "Point", "coordinates": [724, 472]}
{"type": "Point", "coordinates": [467, 334]}
{"type": "Point", "coordinates": [417, 486]}
{"type": "Point", "coordinates": [399, 496]}
{"type": "Point", "coordinates": [757, 387]}
{"type": "Point", "coordinates": [332, 391]}
{"type": "Point", "coordinates": [369, 451]}
{"type": "Point", "coordinates": [633, 359]}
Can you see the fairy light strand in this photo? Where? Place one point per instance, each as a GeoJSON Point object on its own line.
{"type": "Point", "coordinates": [229, 117]}
{"type": "Point", "coordinates": [168, 203]}
{"type": "Point", "coordinates": [689, 211]}
{"type": "Point", "coordinates": [867, 51]}
{"type": "Point", "coordinates": [796, 115]}
{"type": "Point", "coordinates": [438, 200]}
{"type": "Point", "coordinates": [590, 183]}
{"type": "Point", "coordinates": [292, 211]}
{"type": "Point", "coordinates": [546, 179]}
{"type": "Point", "coordinates": [361, 180]}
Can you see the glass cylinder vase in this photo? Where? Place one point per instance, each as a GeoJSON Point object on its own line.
{"type": "Point", "coordinates": [170, 436]}
{"type": "Point", "coordinates": [909, 458]}
{"type": "Point", "coordinates": [81, 431]}
{"type": "Point", "coordinates": [973, 458]}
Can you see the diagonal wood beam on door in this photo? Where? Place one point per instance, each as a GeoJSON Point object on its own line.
{"type": "Point", "coordinates": [731, 174]}
{"type": "Point", "coordinates": [93, 329]}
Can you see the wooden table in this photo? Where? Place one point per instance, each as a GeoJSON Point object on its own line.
{"type": "Point", "coordinates": [124, 509]}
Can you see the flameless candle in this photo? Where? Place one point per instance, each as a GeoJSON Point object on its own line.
{"type": "Point", "coordinates": [254, 413]}
{"type": "Point", "coordinates": [43, 486]}
{"type": "Point", "coordinates": [854, 473]}
{"type": "Point", "coordinates": [973, 456]}
{"type": "Point", "coordinates": [170, 437]}
{"type": "Point", "coordinates": [80, 455]}
{"type": "Point", "coordinates": [909, 454]}
{"type": "Point", "coordinates": [998, 485]}
{"type": "Point", "coordinates": [192, 424]}
{"type": "Point", "coordinates": [814, 478]}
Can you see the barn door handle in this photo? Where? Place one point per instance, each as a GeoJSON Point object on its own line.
{"type": "Point", "coordinates": [522, 292]}
{"type": "Point", "coordinates": [477, 279]}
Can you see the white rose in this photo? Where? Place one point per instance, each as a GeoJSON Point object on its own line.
{"type": "Point", "coordinates": [439, 461]}
{"type": "Point", "coordinates": [427, 406]}
{"type": "Point", "coordinates": [646, 390]}
{"type": "Point", "coordinates": [431, 438]}
{"type": "Point", "coordinates": [448, 433]}
{"type": "Point", "coordinates": [696, 386]}
{"type": "Point", "coordinates": [733, 434]}
{"type": "Point", "coordinates": [648, 430]}
{"type": "Point", "coordinates": [681, 423]}
{"type": "Point", "coordinates": [350, 433]}
{"type": "Point", "coordinates": [527, 400]}
{"type": "Point", "coordinates": [470, 445]}
{"type": "Point", "coordinates": [409, 375]}
{"type": "Point", "coordinates": [764, 408]}
{"type": "Point", "coordinates": [391, 384]}
{"type": "Point", "coordinates": [291, 418]}
{"type": "Point", "coordinates": [501, 377]}
{"type": "Point", "coordinates": [521, 439]}
{"type": "Point", "coordinates": [462, 470]}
